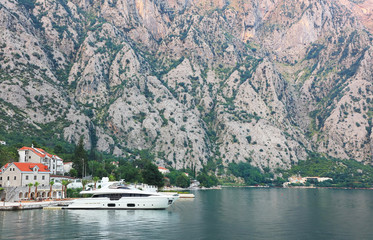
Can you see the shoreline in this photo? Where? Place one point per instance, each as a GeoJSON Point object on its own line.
{"type": "Point", "coordinates": [28, 205]}
{"type": "Point", "coordinates": [219, 187]}
{"type": "Point", "coordinates": [248, 186]}
{"type": "Point", "coordinates": [306, 187]}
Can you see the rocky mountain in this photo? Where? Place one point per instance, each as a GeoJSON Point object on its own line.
{"type": "Point", "coordinates": [192, 81]}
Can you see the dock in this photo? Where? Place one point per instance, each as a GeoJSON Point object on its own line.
{"type": "Point", "coordinates": [186, 195]}
{"type": "Point", "coordinates": [53, 208]}
{"type": "Point", "coordinates": [28, 205]}
{"type": "Point", "coordinates": [181, 195]}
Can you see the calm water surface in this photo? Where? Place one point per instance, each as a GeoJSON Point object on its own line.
{"type": "Point", "coordinates": [231, 213]}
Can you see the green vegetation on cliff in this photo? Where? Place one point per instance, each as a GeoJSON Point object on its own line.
{"type": "Point", "coordinates": [345, 173]}
{"type": "Point", "coordinates": [250, 174]}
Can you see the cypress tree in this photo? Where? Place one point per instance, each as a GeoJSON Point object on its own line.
{"type": "Point", "coordinates": [80, 158]}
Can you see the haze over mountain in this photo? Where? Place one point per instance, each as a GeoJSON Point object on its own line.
{"type": "Point", "coordinates": [192, 81]}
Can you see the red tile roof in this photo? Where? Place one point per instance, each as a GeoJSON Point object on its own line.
{"type": "Point", "coordinates": [32, 149]}
{"type": "Point", "coordinates": [28, 167]}
{"type": "Point", "coordinates": [5, 166]}
{"type": "Point", "coordinates": [162, 168]}
{"type": "Point", "coordinates": [38, 151]}
{"type": "Point", "coordinates": [44, 152]}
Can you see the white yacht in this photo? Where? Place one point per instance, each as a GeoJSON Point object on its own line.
{"type": "Point", "coordinates": [119, 196]}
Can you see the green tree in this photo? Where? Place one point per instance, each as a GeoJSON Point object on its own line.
{"type": "Point", "coordinates": [95, 180]}
{"type": "Point", "coordinates": [173, 175]}
{"type": "Point", "coordinates": [73, 192]}
{"type": "Point", "coordinates": [73, 172]}
{"type": "Point", "coordinates": [93, 167]}
{"type": "Point", "coordinates": [36, 184]}
{"type": "Point", "coordinates": [152, 176]}
{"type": "Point", "coordinates": [58, 149]}
{"type": "Point", "coordinates": [183, 181]}
{"type": "Point", "coordinates": [51, 183]}
{"type": "Point", "coordinates": [109, 167]}
{"type": "Point", "coordinates": [111, 178]}
{"type": "Point", "coordinates": [101, 172]}
{"type": "Point", "coordinates": [128, 172]}
{"type": "Point", "coordinates": [35, 144]}
{"type": "Point", "coordinates": [29, 190]}
{"type": "Point", "coordinates": [84, 183]}
{"type": "Point", "coordinates": [80, 159]}
{"type": "Point", "coordinates": [250, 174]}
{"type": "Point", "coordinates": [8, 154]}
{"type": "Point", "coordinates": [64, 189]}
{"type": "Point", "coordinates": [207, 180]}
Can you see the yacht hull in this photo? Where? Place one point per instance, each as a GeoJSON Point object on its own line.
{"type": "Point", "coordinates": [149, 203]}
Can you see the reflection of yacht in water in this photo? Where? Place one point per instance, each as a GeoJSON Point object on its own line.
{"type": "Point", "coordinates": [118, 196]}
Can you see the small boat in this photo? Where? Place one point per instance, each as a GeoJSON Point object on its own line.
{"type": "Point", "coordinates": [119, 196]}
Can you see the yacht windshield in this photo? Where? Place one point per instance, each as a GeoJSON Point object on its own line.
{"type": "Point", "coordinates": [117, 196]}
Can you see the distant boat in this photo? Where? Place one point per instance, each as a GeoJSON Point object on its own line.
{"type": "Point", "coordinates": [118, 196]}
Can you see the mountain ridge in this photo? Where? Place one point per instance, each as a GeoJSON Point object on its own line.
{"type": "Point", "coordinates": [193, 81]}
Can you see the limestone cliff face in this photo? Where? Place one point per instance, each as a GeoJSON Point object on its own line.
{"type": "Point", "coordinates": [191, 80]}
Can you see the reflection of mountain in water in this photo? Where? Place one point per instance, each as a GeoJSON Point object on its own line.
{"type": "Point", "coordinates": [230, 213]}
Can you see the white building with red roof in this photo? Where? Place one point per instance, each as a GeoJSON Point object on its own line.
{"type": "Point", "coordinates": [67, 166]}
{"type": "Point", "coordinates": [38, 155]}
{"type": "Point", "coordinates": [20, 174]}
{"type": "Point", "coordinates": [163, 170]}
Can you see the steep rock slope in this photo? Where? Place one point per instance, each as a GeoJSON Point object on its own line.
{"type": "Point", "coordinates": [192, 81]}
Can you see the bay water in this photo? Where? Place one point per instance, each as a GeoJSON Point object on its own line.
{"type": "Point", "coordinates": [230, 213]}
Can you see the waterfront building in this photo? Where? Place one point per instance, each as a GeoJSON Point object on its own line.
{"type": "Point", "coordinates": [297, 179]}
{"type": "Point", "coordinates": [38, 155]}
{"type": "Point", "coordinates": [163, 170]}
{"type": "Point", "coordinates": [18, 174]}
{"type": "Point", "coordinates": [303, 180]}
{"type": "Point", "coordinates": [318, 179]}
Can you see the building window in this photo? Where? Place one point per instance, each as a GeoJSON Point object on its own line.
{"type": "Point", "coordinates": [1, 178]}
{"type": "Point", "coordinates": [26, 177]}
{"type": "Point", "coordinates": [43, 178]}
{"type": "Point", "coordinates": [35, 177]}
{"type": "Point", "coordinates": [8, 178]}
{"type": "Point", "coordinates": [15, 178]}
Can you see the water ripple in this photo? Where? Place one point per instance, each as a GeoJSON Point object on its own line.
{"type": "Point", "coordinates": [235, 213]}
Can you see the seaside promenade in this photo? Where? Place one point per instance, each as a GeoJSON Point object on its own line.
{"type": "Point", "coordinates": [25, 205]}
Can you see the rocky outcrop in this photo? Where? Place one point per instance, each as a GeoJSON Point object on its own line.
{"type": "Point", "coordinates": [192, 81]}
